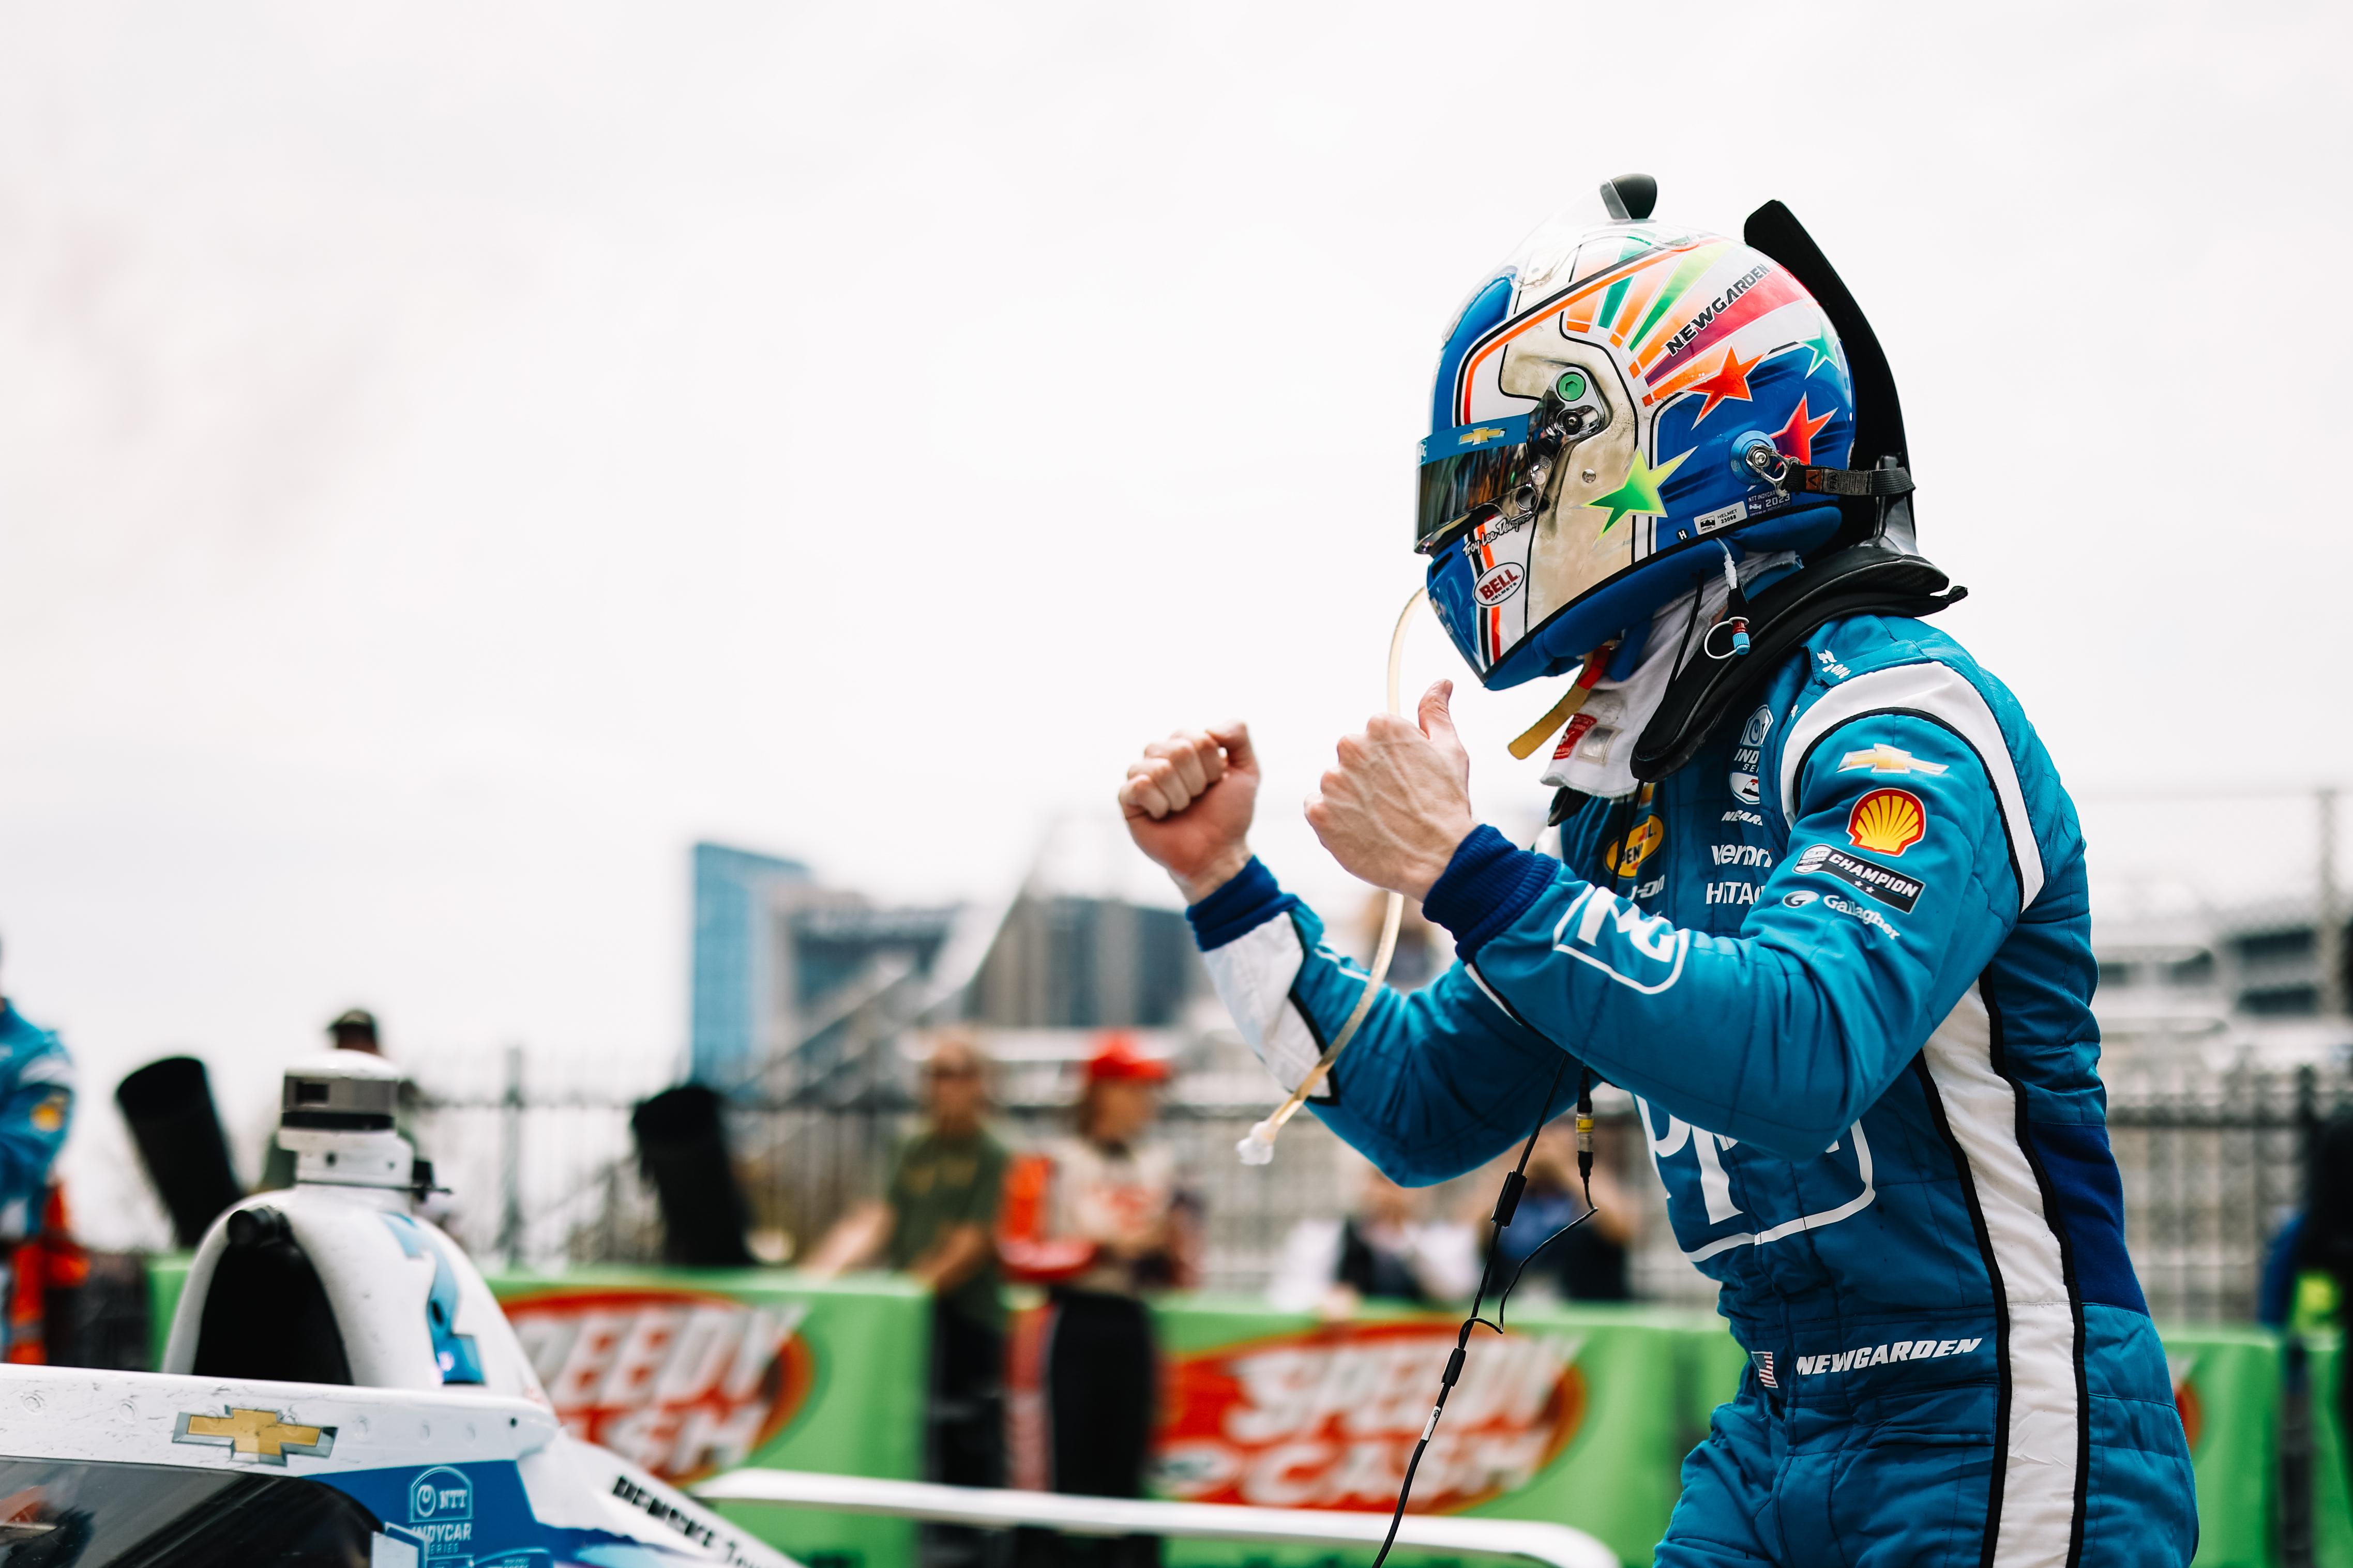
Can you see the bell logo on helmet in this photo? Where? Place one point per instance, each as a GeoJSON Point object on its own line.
{"type": "Point", "coordinates": [1888, 821]}
{"type": "Point", "coordinates": [1501, 584]}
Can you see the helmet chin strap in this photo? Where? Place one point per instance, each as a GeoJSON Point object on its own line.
{"type": "Point", "coordinates": [1597, 664]}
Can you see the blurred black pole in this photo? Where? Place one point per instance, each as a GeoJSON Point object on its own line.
{"type": "Point", "coordinates": [169, 1105]}
{"type": "Point", "coordinates": [682, 1149]}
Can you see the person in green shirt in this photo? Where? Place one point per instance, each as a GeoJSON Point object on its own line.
{"type": "Point", "coordinates": [936, 1223]}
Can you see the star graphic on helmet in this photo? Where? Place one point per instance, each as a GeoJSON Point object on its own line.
{"type": "Point", "coordinates": [1795, 440]}
{"type": "Point", "coordinates": [1730, 380]}
{"type": "Point", "coordinates": [1641, 490]}
{"type": "Point", "coordinates": [1824, 352]}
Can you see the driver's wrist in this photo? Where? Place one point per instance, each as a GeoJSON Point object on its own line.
{"type": "Point", "coordinates": [1222, 869]}
{"type": "Point", "coordinates": [1424, 875]}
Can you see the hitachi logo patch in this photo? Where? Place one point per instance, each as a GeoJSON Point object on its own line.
{"type": "Point", "coordinates": [1880, 1356]}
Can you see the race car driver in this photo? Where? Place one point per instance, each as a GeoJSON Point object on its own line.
{"type": "Point", "coordinates": [1818, 903]}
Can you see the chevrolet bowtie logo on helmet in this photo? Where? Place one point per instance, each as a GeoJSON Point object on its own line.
{"type": "Point", "coordinates": [1485, 433]}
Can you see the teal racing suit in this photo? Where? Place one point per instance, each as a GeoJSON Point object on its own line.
{"type": "Point", "coordinates": [1841, 959]}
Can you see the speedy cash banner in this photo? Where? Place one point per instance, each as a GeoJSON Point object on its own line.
{"type": "Point", "coordinates": [1579, 1415]}
{"type": "Point", "coordinates": [684, 1382]}
{"type": "Point", "coordinates": [1583, 1415]}
{"type": "Point", "coordinates": [1327, 1419]}
{"type": "Point", "coordinates": [1573, 1416]}
{"type": "Point", "coordinates": [693, 1372]}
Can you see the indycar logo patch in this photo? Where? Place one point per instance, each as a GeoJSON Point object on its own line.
{"type": "Point", "coordinates": [1869, 878]}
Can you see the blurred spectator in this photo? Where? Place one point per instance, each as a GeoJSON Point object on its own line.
{"type": "Point", "coordinates": [1588, 1264]}
{"type": "Point", "coordinates": [1382, 1250]}
{"type": "Point", "coordinates": [2324, 1244]}
{"type": "Point", "coordinates": [934, 1224]}
{"type": "Point", "coordinates": [1098, 1220]}
{"type": "Point", "coordinates": [37, 1094]}
{"type": "Point", "coordinates": [353, 1029]}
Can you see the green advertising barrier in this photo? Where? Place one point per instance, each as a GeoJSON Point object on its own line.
{"type": "Point", "coordinates": [1580, 1416]}
{"type": "Point", "coordinates": [2332, 1498]}
{"type": "Point", "coordinates": [689, 1372]}
{"type": "Point", "coordinates": [2226, 1382]}
{"type": "Point", "coordinates": [1576, 1415]}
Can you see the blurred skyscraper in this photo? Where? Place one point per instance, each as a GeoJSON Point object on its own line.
{"type": "Point", "coordinates": [735, 960]}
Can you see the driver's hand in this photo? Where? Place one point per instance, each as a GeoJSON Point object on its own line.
{"type": "Point", "coordinates": [1188, 802]}
{"type": "Point", "coordinates": [1398, 804]}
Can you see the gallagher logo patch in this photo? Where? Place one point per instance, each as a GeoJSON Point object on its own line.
{"type": "Point", "coordinates": [1887, 821]}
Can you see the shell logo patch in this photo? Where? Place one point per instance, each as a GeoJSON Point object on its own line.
{"type": "Point", "coordinates": [1887, 821]}
{"type": "Point", "coordinates": [1641, 842]}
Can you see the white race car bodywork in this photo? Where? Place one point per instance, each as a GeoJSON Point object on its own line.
{"type": "Point", "coordinates": [440, 1479]}
{"type": "Point", "coordinates": [416, 1435]}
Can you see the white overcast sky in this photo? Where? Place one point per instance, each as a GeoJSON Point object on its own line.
{"type": "Point", "coordinates": [451, 456]}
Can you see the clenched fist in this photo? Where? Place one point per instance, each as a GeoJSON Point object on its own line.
{"type": "Point", "coordinates": [1188, 803]}
{"type": "Point", "coordinates": [1394, 810]}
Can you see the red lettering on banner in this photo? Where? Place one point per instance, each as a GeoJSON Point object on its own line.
{"type": "Point", "coordinates": [1327, 1418]}
{"type": "Point", "coordinates": [680, 1381]}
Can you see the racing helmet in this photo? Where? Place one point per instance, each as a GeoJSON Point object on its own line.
{"type": "Point", "coordinates": [1619, 405]}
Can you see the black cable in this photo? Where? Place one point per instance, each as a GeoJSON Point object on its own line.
{"type": "Point", "coordinates": [1507, 1204]}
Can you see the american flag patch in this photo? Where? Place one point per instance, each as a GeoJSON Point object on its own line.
{"type": "Point", "coordinates": [1763, 1362]}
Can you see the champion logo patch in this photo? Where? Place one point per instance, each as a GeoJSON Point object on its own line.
{"type": "Point", "coordinates": [1869, 878]}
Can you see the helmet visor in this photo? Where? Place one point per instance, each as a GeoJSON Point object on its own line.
{"type": "Point", "coordinates": [1465, 472]}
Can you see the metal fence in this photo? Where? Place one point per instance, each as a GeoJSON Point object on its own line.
{"type": "Point", "coordinates": [2210, 1152]}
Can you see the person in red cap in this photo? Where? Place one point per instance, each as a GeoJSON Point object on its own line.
{"type": "Point", "coordinates": [1098, 1220]}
